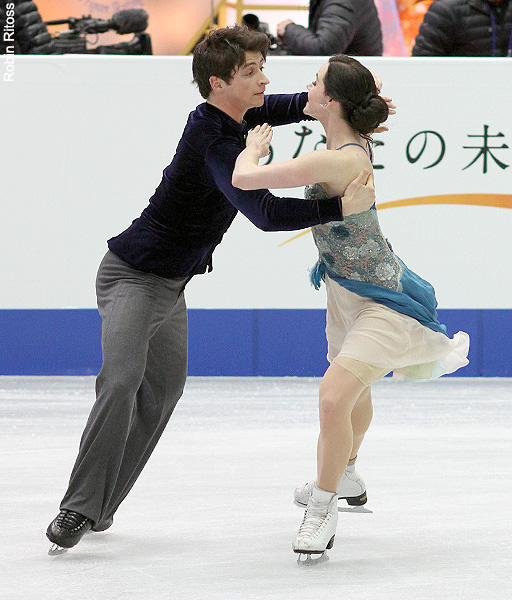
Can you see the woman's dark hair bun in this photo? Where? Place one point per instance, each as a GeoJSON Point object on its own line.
{"type": "Point", "coordinates": [369, 114]}
{"type": "Point", "coordinates": [352, 85]}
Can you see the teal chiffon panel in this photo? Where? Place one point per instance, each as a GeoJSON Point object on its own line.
{"type": "Point", "coordinates": [417, 298]}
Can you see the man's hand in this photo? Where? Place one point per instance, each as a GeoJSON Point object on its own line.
{"type": "Point", "coordinates": [377, 80]}
{"type": "Point", "coordinates": [387, 100]}
{"type": "Point", "coordinates": [282, 26]}
{"type": "Point", "coordinates": [259, 139]}
{"type": "Point", "coordinates": [359, 195]}
{"type": "Point", "coordinates": [392, 111]}
{"type": "Point", "coordinates": [391, 106]}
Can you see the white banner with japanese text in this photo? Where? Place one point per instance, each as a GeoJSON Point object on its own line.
{"type": "Point", "coordinates": [86, 139]}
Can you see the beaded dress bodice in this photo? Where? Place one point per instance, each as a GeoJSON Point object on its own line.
{"type": "Point", "coordinates": [356, 248]}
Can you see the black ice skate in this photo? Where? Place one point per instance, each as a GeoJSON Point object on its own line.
{"type": "Point", "coordinates": [66, 530]}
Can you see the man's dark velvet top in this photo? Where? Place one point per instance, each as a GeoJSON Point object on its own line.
{"type": "Point", "coordinates": [195, 203]}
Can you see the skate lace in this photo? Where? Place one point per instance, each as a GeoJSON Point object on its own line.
{"type": "Point", "coordinates": [68, 519]}
{"type": "Point", "coordinates": [315, 519]}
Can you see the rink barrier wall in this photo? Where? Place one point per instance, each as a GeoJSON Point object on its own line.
{"type": "Point", "coordinates": [250, 342]}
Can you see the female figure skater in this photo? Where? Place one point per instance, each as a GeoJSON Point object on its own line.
{"type": "Point", "coordinates": [381, 317]}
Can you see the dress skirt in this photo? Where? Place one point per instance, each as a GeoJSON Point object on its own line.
{"type": "Point", "coordinates": [371, 340]}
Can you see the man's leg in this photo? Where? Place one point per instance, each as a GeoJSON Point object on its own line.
{"type": "Point", "coordinates": [160, 390]}
{"type": "Point", "coordinates": [131, 406]}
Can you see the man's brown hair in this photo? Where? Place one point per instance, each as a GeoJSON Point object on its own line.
{"type": "Point", "coordinates": [222, 52]}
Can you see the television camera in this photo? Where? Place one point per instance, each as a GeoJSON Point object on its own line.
{"type": "Point", "coordinates": [252, 21]}
{"type": "Point", "coordinates": [74, 40]}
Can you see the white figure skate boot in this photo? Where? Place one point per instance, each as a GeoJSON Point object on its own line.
{"type": "Point", "coordinates": [351, 488]}
{"type": "Point", "coordinates": [316, 533]}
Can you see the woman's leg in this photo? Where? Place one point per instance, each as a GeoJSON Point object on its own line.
{"type": "Point", "coordinates": [361, 418]}
{"type": "Point", "coordinates": [345, 414]}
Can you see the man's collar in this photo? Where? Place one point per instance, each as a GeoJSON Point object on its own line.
{"type": "Point", "coordinates": [242, 127]}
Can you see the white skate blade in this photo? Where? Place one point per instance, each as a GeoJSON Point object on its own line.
{"type": "Point", "coordinates": [310, 560]}
{"type": "Point", "coordinates": [56, 550]}
{"type": "Point", "coordinates": [354, 509]}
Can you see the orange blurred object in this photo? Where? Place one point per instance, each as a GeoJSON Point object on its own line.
{"type": "Point", "coordinates": [411, 14]}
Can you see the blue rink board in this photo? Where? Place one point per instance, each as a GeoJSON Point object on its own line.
{"type": "Point", "coordinates": [227, 342]}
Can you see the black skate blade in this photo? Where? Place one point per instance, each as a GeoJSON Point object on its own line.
{"type": "Point", "coordinates": [56, 550]}
{"type": "Point", "coordinates": [311, 560]}
{"type": "Point", "coordinates": [354, 509]}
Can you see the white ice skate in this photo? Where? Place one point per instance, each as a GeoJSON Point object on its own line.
{"type": "Point", "coordinates": [316, 533]}
{"type": "Point", "coordinates": [351, 488]}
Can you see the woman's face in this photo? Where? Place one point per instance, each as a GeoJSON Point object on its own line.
{"type": "Point", "coordinates": [316, 94]}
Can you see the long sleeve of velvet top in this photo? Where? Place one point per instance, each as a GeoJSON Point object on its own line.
{"type": "Point", "coordinates": [195, 203]}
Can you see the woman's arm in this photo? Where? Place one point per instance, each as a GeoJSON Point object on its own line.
{"type": "Point", "coordinates": [315, 167]}
{"type": "Point", "coordinates": [326, 167]}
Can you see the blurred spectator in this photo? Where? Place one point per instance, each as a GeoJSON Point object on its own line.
{"type": "Point", "coordinates": [335, 26]}
{"type": "Point", "coordinates": [30, 33]}
{"type": "Point", "coordinates": [466, 28]}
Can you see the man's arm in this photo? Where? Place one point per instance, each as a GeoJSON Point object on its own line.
{"type": "Point", "coordinates": [261, 207]}
{"type": "Point", "coordinates": [334, 31]}
{"type": "Point", "coordinates": [319, 165]}
{"type": "Point", "coordinates": [279, 109]}
{"type": "Point", "coordinates": [272, 213]}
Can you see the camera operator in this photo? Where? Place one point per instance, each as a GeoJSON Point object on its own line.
{"type": "Point", "coordinates": [335, 27]}
{"type": "Point", "coordinates": [252, 22]}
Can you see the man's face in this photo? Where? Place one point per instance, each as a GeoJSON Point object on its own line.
{"type": "Point", "coordinates": [246, 88]}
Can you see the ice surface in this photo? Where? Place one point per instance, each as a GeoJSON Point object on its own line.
{"type": "Point", "coordinates": [212, 515]}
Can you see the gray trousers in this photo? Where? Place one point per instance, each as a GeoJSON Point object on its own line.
{"type": "Point", "coordinates": [144, 343]}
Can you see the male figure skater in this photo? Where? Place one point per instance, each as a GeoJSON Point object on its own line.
{"type": "Point", "coordinates": [141, 280]}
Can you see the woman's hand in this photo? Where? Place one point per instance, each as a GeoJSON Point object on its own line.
{"type": "Point", "coordinates": [246, 165]}
{"type": "Point", "coordinates": [259, 139]}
